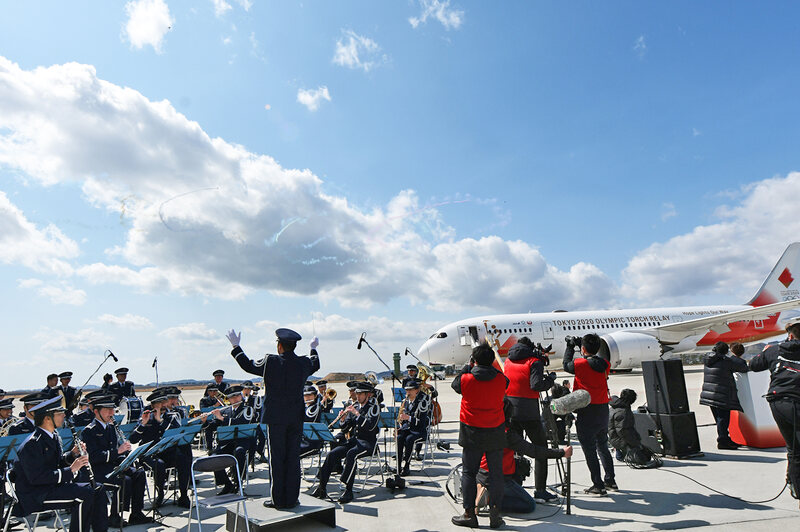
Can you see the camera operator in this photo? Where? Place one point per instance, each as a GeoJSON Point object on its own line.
{"type": "Point", "coordinates": [591, 374]}
{"type": "Point", "coordinates": [524, 369]}
{"type": "Point", "coordinates": [783, 362]}
{"type": "Point", "coordinates": [719, 388]}
{"type": "Point", "coordinates": [482, 431]}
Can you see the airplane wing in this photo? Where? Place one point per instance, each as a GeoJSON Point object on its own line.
{"type": "Point", "coordinates": [675, 332]}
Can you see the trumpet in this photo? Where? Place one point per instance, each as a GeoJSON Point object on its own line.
{"type": "Point", "coordinates": [330, 394]}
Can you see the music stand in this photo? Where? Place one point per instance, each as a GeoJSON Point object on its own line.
{"type": "Point", "coordinates": [235, 432]}
{"type": "Point", "coordinates": [120, 470]}
{"type": "Point", "coordinates": [399, 394]}
{"type": "Point", "coordinates": [318, 432]}
{"type": "Point", "coordinates": [118, 418]}
{"type": "Point", "coordinates": [66, 439]}
{"type": "Point", "coordinates": [128, 429]}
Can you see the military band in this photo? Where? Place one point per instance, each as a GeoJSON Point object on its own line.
{"type": "Point", "coordinates": [413, 422]}
{"type": "Point", "coordinates": [122, 387]}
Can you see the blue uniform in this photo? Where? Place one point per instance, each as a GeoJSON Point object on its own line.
{"type": "Point", "coordinates": [240, 414]}
{"type": "Point", "coordinates": [121, 389]}
{"type": "Point", "coordinates": [23, 426]}
{"type": "Point", "coordinates": [414, 429]}
{"type": "Point", "coordinates": [284, 378]}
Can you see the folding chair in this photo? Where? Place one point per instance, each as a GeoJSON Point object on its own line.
{"type": "Point", "coordinates": [313, 457]}
{"type": "Point", "coordinates": [368, 462]}
{"type": "Point", "coordinates": [428, 446]}
{"type": "Point", "coordinates": [210, 464]}
{"type": "Point", "coordinates": [25, 518]}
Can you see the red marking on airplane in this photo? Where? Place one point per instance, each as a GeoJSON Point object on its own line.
{"type": "Point", "coordinates": [786, 277]}
{"type": "Point", "coordinates": [763, 299]}
{"type": "Point", "coordinates": [503, 349]}
{"type": "Point", "coordinates": [744, 331]}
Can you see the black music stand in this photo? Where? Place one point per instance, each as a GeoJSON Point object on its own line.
{"type": "Point", "coordinates": [388, 420]}
{"type": "Point", "coordinates": [120, 470]}
{"type": "Point", "coordinates": [318, 432]}
{"type": "Point", "coordinates": [235, 432]}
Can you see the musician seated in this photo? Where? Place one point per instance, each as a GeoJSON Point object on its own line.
{"type": "Point", "coordinates": [106, 451]}
{"type": "Point", "coordinates": [45, 478]}
{"type": "Point", "coordinates": [313, 412]}
{"type": "Point", "coordinates": [234, 414]}
{"type": "Point", "coordinates": [365, 415]}
{"type": "Point", "coordinates": [211, 397]}
{"type": "Point", "coordinates": [178, 456]}
{"type": "Point", "coordinates": [325, 402]}
{"type": "Point", "coordinates": [413, 423]}
{"type": "Point", "coordinates": [26, 425]}
{"type": "Point", "coordinates": [84, 416]}
{"type": "Point", "coordinates": [152, 425]}
{"type": "Point", "coordinates": [7, 411]}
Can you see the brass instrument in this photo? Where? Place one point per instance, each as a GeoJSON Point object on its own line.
{"type": "Point", "coordinates": [373, 378]}
{"type": "Point", "coordinates": [330, 394]}
{"type": "Point", "coordinates": [7, 426]}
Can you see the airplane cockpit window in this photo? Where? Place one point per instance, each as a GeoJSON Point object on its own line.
{"type": "Point", "coordinates": [431, 336]}
{"type": "Point", "coordinates": [441, 335]}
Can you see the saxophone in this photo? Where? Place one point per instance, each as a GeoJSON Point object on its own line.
{"type": "Point", "coordinates": [7, 426]}
{"type": "Point", "coordinates": [82, 452]}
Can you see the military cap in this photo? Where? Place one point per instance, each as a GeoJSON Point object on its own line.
{"type": "Point", "coordinates": [212, 387]}
{"type": "Point", "coordinates": [287, 335]}
{"type": "Point", "coordinates": [172, 391]}
{"type": "Point", "coordinates": [7, 404]}
{"type": "Point", "coordinates": [156, 397]}
{"type": "Point", "coordinates": [309, 389]}
{"type": "Point", "coordinates": [33, 398]}
{"type": "Point", "coordinates": [65, 375]}
{"type": "Point", "coordinates": [321, 382]}
{"type": "Point", "coordinates": [94, 393]}
{"type": "Point", "coordinates": [83, 401]}
{"type": "Point", "coordinates": [364, 387]}
{"type": "Point", "coordinates": [248, 385]}
{"type": "Point", "coordinates": [121, 371]}
{"type": "Point", "coordinates": [412, 367]}
{"type": "Point", "coordinates": [50, 405]}
{"type": "Point", "coordinates": [52, 376]}
{"type": "Point", "coordinates": [352, 385]}
{"type": "Point", "coordinates": [2, 392]}
{"type": "Point", "coordinates": [218, 373]}
{"type": "Point", "coordinates": [103, 401]}
{"type": "Point", "coordinates": [233, 390]}
{"type": "Point", "coordinates": [411, 384]}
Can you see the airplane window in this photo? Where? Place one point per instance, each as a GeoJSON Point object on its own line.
{"type": "Point", "coordinates": [431, 336]}
{"type": "Point", "coordinates": [441, 335]}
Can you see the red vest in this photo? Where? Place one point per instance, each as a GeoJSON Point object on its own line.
{"type": "Point", "coordinates": [482, 401]}
{"type": "Point", "coordinates": [519, 378]}
{"type": "Point", "coordinates": [592, 381]}
{"type": "Point", "coordinates": [509, 464]}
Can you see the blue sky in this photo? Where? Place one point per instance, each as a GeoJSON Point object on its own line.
{"type": "Point", "coordinates": [169, 170]}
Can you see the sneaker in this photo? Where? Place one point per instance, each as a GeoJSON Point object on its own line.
{"type": "Point", "coordinates": [596, 491]}
{"type": "Point", "coordinates": [544, 496]}
{"type": "Point", "coordinates": [611, 485]}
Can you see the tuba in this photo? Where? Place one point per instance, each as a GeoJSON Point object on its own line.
{"type": "Point", "coordinates": [7, 426]}
{"type": "Point", "coordinates": [373, 378]}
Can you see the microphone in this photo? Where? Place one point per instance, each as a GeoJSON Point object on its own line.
{"type": "Point", "coordinates": [360, 340]}
{"type": "Point", "coordinates": [407, 351]}
{"type": "Point", "coordinates": [570, 402]}
{"type": "Point", "coordinates": [154, 362]}
{"type": "Point", "coordinates": [112, 356]}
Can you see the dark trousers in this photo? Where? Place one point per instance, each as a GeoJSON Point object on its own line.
{"type": "Point", "coordinates": [284, 462]}
{"type": "Point", "coordinates": [722, 417]}
{"type": "Point", "coordinates": [350, 452]}
{"type": "Point", "coordinates": [89, 506]}
{"type": "Point", "coordinates": [237, 448]}
{"type": "Point", "coordinates": [536, 435]}
{"type": "Point", "coordinates": [132, 493]}
{"type": "Point", "coordinates": [787, 415]}
{"type": "Point", "coordinates": [180, 458]}
{"type": "Point", "coordinates": [308, 446]}
{"type": "Point", "coordinates": [592, 429]}
{"type": "Point", "coordinates": [470, 463]}
{"type": "Point", "coordinates": [406, 439]}
{"type": "Point", "coordinates": [516, 499]}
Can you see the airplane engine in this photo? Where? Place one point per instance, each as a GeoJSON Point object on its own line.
{"type": "Point", "coordinates": [628, 349]}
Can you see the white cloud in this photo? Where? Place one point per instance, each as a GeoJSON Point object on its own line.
{"type": "Point", "coordinates": [668, 211]}
{"type": "Point", "coordinates": [207, 217]}
{"type": "Point", "coordinates": [357, 52]}
{"type": "Point", "coordinates": [148, 22]}
{"type": "Point", "coordinates": [246, 4]}
{"type": "Point", "coordinates": [312, 98]}
{"type": "Point", "coordinates": [192, 332]}
{"type": "Point", "coordinates": [21, 242]}
{"type": "Point", "coordinates": [126, 321]}
{"type": "Point", "coordinates": [255, 47]}
{"type": "Point", "coordinates": [730, 257]}
{"type": "Point", "coordinates": [438, 10]}
{"type": "Point", "coordinates": [336, 327]}
{"type": "Point", "coordinates": [696, 132]}
{"type": "Point", "coordinates": [640, 47]}
{"type": "Point", "coordinates": [59, 293]}
{"type": "Point", "coordinates": [83, 341]}
{"type": "Point", "coordinates": [221, 7]}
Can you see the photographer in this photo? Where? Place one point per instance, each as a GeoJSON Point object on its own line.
{"type": "Point", "coordinates": [719, 388]}
{"type": "Point", "coordinates": [524, 369]}
{"type": "Point", "coordinates": [482, 431]}
{"type": "Point", "coordinates": [783, 362]}
{"type": "Point", "coordinates": [591, 374]}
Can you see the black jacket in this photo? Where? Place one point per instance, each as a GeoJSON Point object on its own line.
{"type": "Point", "coordinates": [622, 433]}
{"type": "Point", "coordinates": [782, 361]}
{"type": "Point", "coordinates": [101, 444]}
{"type": "Point", "coordinates": [41, 466]}
{"type": "Point", "coordinates": [524, 408]}
{"type": "Point", "coordinates": [719, 388]}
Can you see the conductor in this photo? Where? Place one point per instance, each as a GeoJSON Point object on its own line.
{"type": "Point", "coordinates": [284, 376]}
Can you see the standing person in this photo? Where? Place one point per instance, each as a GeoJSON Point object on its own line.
{"type": "Point", "coordinates": [66, 390]}
{"type": "Point", "coordinates": [219, 376]}
{"type": "Point", "coordinates": [783, 362]}
{"type": "Point", "coordinates": [524, 368]}
{"type": "Point", "coordinates": [123, 387]}
{"type": "Point", "coordinates": [51, 390]}
{"type": "Point", "coordinates": [284, 376]}
{"type": "Point", "coordinates": [719, 388]}
{"type": "Point", "coordinates": [107, 379]}
{"type": "Point", "coordinates": [591, 374]}
{"type": "Point", "coordinates": [481, 431]}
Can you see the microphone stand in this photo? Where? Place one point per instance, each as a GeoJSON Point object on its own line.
{"type": "Point", "coordinates": [397, 482]}
{"type": "Point", "coordinates": [78, 394]}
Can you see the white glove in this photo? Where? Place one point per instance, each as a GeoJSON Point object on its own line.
{"type": "Point", "coordinates": [314, 342]}
{"type": "Point", "coordinates": [233, 338]}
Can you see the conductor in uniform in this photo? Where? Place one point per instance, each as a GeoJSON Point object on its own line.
{"type": "Point", "coordinates": [284, 375]}
{"type": "Point", "coordinates": [123, 387]}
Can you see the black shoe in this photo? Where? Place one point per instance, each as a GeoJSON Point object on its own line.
{"type": "Point", "coordinates": [289, 506]}
{"type": "Point", "coordinates": [227, 489]}
{"type": "Point", "coordinates": [596, 491]}
{"type": "Point", "coordinates": [544, 496]}
{"type": "Point", "coordinates": [138, 518]}
{"type": "Point", "coordinates": [418, 456]}
{"type": "Point", "coordinates": [159, 500]}
{"type": "Point", "coordinates": [406, 471]}
{"type": "Point", "coordinates": [183, 502]}
{"type": "Point", "coordinates": [346, 497]}
{"type": "Point", "coordinates": [269, 504]}
{"type": "Point", "coordinates": [468, 518]}
{"type": "Point", "coordinates": [611, 485]}
{"type": "Point", "coordinates": [727, 445]}
{"type": "Point", "coordinates": [115, 522]}
{"type": "Point", "coordinates": [320, 493]}
{"type": "Point", "coordinates": [495, 521]}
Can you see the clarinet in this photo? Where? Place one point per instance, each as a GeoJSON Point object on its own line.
{"type": "Point", "coordinates": [82, 452]}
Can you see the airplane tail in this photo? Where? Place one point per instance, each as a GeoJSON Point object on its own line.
{"type": "Point", "coordinates": [782, 282]}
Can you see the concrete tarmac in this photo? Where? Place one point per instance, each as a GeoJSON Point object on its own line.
{"type": "Point", "coordinates": [672, 497]}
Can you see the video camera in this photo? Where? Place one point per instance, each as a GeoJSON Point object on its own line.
{"type": "Point", "coordinates": [573, 341]}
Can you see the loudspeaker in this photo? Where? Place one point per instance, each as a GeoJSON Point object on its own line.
{"type": "Point", "coordinates": [665, 387]}
{"type": "Point", "coordinates": [648, 431]}
{"type": "Point", "coordinates": [678, 434]}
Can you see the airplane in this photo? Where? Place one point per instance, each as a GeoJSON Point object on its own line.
{"type": "Point", "coordinates": [631, 336]}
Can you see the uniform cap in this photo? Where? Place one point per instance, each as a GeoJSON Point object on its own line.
{"type": "Point", "coordinates": [412, 367]}
{"type": "Point", "coordinates": [321, 382]}
{"type": "Point", "coordinates": [103, 401]}
{"type": "Point", "coordinates": [364, 387]}
{"type": "Point", "coordinates": [120, 371]}
{"type": "Point", "coordinates": [65, 375]}
{"type": "Point", "coordinates": [156, 397]}
{"type": "Point", "coordinates": [212, 387]}
{"type": "Point", "coordinates": [234, 390]}
{"type": "Point", "coordinates": [6, 404]}
{"type": "Point", "coordinates": [248, 385]}
{"type": "Point", "coordinates": [287, 335]}
{"type": "Point", "coordinates": [33, 398]}
{"type": "Point", "coordinates": [218, 373]}
{"type": "Point", "coordinates": [50, 405]}
{"type": "Point", "coordinates": [352, 385]}
{"type": "Point", "coordinates": [94, 393]}
{"type": "Point", "coordinates": [411, 384]}
{"type": "Point", "coordinates": [309, 389]}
